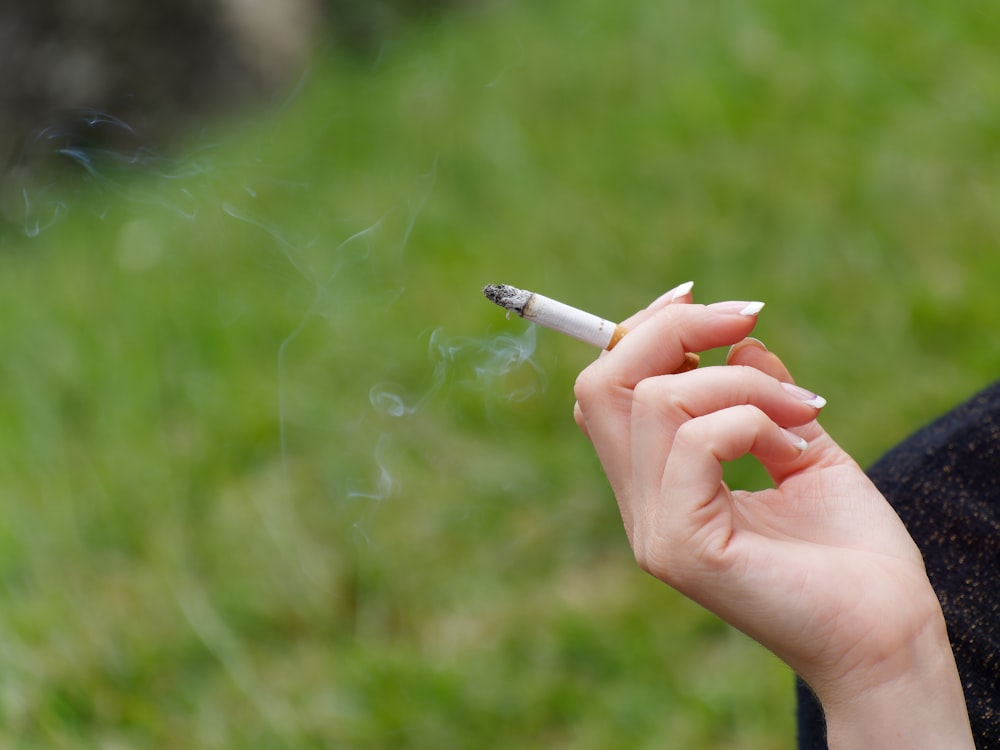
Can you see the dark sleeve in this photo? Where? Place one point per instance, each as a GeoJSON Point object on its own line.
{"type": "Point", "coordinates": [944, 482]}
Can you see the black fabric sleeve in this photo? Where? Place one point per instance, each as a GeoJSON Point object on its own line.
{"type": "Point", "coordinates": [944, 482]}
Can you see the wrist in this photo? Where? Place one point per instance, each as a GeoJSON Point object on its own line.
{"type": "Point", "coordinates": [912, 698]}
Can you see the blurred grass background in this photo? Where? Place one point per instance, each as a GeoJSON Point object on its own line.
{"type": "Point", "coordinates": [274, 474]}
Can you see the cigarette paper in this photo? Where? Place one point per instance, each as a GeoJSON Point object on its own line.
{"type": "Point", "coordinates": [583, 326]}
{"type": "Point", "coordinates": [547, 312]}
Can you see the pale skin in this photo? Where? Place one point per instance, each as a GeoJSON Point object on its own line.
{"type": "Point", "coordinates": [819, 569]}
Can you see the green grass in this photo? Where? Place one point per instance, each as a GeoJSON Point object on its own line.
{"type": "Point", "coordinates": [273, 473]}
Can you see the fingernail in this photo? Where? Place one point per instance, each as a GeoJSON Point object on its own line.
{"type": "Point", "coordinates": [747, 309]}
{"type": "Point", "coordinates": [807, 397]}
{"type": "Point", "coordinates": [680, 291]}
{"type": "Point", "coordinates": [675, 293]}
{"type": "Point", "coordinates": [794, 439]}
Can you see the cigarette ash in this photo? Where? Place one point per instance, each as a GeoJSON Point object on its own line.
{"type": "Point", "coordinates": [508, 297]}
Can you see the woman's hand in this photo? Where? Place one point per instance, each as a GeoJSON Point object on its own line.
{"type": "Point", "coordinates": [819, 569]}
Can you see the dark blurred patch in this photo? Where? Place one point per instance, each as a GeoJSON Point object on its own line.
{"type": "Point", "coordinates": [151, 64]}
{"type": "Point", "coordinates": [362, 26]}
{"type": "Point", "coordinates": [76, 148]}
{"type": "Point", "coordinates": [91, 87]}
{"type": "Point", "coordinates": [157, 64]}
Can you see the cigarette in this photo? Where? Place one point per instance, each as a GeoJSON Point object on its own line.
{"type": "Point", "coordinates": [558, 316]}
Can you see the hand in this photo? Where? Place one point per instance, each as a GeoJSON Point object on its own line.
{"type": "Point", "coordinates": [819, 569]}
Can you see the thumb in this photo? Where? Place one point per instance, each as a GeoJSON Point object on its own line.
{"type": "Point", "coordinates": [751, 352]}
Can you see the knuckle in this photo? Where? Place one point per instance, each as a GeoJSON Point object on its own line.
{"type": "Point", "coordinates": [758, 416]}
{"type": "Point", "coordinates": [646, 393]}
{"type": "Point", "coordinates": [652, 394]}
{"type": "Point", "coordinates": [585, 388]}
{"type": "Point", "coordinates": [689, 431]}
{"type": "Point", "coordinates": [742, 371]}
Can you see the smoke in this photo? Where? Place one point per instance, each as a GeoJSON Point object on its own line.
{"type": "Point", "coordinates": [489, 369]}
{"type": "Point", "coordinates": [83, 159]}
{"type": "Point", "coordinates": [98, 163]}
{"type": "Point", "coordinates": [382, 485]}
{"type": "Point", "coordinates": [481, 364]}
{"type": "Point", "coordinates": [487, 364]}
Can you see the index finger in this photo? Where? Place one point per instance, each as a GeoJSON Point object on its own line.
{"type": "Point", "coordinates": [658, 345]}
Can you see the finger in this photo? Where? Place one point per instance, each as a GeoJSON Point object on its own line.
{"type": "Point", "coordinates": [678, 295]}
{"type": "Point", "coordinates": [658, 345]}
{"type": "Point", "coordinates": [752, 353]}
{"type": "Point", "coordinates": [690, 521]}
{"type": "Point", "coordinates": [661, 405]}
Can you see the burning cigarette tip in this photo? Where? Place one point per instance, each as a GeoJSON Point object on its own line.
{"type": "Point", "coordinates": [508, 297]}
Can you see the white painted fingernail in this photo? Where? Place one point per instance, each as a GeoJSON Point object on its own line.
{"type": "Point", "coordinates": [681, 290]}
{"type": "Point", "coordinates": [794, 439]}
{"type": "Point", "coordinates": [737, 308]}
{"type": "Point", "coordinates": [807, 397]}
{"type": "Point", "coordinates": [670, 296]}
{"type": "Point", "coordinates": [817, 402]}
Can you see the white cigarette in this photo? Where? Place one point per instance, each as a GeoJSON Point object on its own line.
{"type": "Point", "coordinates": [583, 326]}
